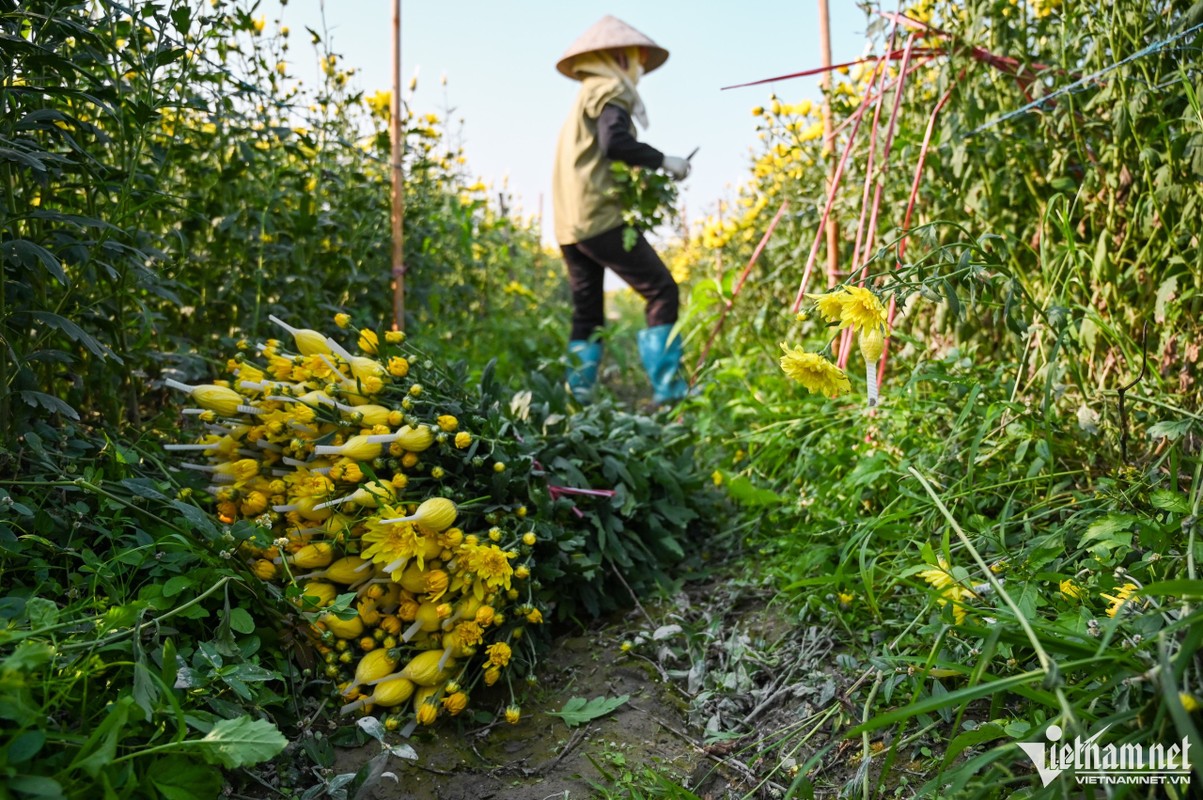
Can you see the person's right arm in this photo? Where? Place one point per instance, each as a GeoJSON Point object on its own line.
{"type": "Point", "coordinates": [617, 143]}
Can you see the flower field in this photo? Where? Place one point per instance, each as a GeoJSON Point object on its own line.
{"type": "Point", "coordinates": [935, 494]}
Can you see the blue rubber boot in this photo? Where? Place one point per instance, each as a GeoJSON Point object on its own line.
{"type": "Point", "coordinates": [584, 360]}
{"type": "Point", "coordinates": [661, 358]}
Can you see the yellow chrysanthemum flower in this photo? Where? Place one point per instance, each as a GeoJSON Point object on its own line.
{"type": "Point", "coordinates": [940, 577]}
{"type": "Point", "coordinates": [814, 372]}
{"type": "Point", "coordinates": [368, 341]}
{"type": "Point", "coordinates": [1071, 590]}
{"type": "Point", "coordinates": [499, 654]}
{"type": "Point", "coordinates": [1120, 598]}
{"type": "Point", "coordinates": [455, 702]}
{"type": "Point", "coordinates": [830, 305]}
{"type": "Point", "coordinates": [862, 310]}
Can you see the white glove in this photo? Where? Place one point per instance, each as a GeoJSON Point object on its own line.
{"type": "Point", "coordinates": [676, 166]}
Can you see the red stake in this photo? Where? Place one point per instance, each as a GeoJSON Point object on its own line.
{"type": "Point", "coordinates": [906, 220]}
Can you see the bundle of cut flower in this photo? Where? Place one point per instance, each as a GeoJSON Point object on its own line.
{"type": "Point", "coordinates": [383, 518]}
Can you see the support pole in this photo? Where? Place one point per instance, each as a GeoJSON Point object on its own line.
{"type": "Point", "coordinates": [397, 149]}
{"type": "Point", "coordinates": [833, 225]}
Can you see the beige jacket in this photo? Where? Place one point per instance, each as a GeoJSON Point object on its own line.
{"type": "Point", "coordinates": [581, 179]}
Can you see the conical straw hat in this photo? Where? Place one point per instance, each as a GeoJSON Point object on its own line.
{"type": "Point", "coordinates": [606, 34]}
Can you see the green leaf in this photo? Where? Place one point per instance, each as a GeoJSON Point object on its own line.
{"type": "Point", "coordinates": [241, 621]}
{"type": "Point", "coordinates": [75, 333]}
{"type": "Point", "coordinates": [100, 749]}
{"type": "Point", "coordinates": [26, 252]}
{"type": "Point", "coordinates": [145, 691]}
{"type": "Point", "coordinates": [48, 402]}
{"type": "Point", "coordinates": [36, 786]}
{"type": "Point", "coordinates": [181, 778]}
{"type": "Point", "coordinates": [177, 584]}
{"type": "Point", "coordinates": [1169, 500]}
{"type": "Point", "coordinates": [972, 738]}
{"type": "Point", "coordinates": [578, 711]}
{"type": "Point", "coordinates": [744, 491]}
{"type": "Point", "coordinates": [1165, 293]}
{"type": "Point", "coordinates": [198, 519]}
{"type": "Point", "coordinates": [1172, 430]}
{"type": "Point", "coordinates": [240, 742]}
{"type": "Point", "coordinates": [25, 746]}
{"type": "Point", "coordinates": [27, 657]}
{"type": "Point", "coordinates": [42, 612]}
{"type": "Point", "coordinates": [948, 700]}
{"type": "Point", "coordinates": [1180, 588]}
{"type": "Point", "coordinates": [1104, 530]}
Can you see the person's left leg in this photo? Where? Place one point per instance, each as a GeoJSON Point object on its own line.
{"type": "Point", "coordinates": [644, 272]}
{"type": "Point", "coordinates": [586, 279]}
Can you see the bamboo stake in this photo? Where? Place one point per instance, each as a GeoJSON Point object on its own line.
{"type": "Point", "coordinates": [833, 225]}
{"type": "Point", "coordinates": [398, 195]}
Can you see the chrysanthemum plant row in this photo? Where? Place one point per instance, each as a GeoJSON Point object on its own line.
{"type": "Point", "coordinates": [387, 523]}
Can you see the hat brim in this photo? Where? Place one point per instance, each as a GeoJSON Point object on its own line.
{"type": "Point", "coordinates": [656, 56]}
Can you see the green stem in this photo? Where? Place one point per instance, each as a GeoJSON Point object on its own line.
{"type": "Point", "coordinates": [137, 629]}
{"type": "Point", "coordinates": [1046, 664]}
{"type": "Point", "coordinates": [868, 753]}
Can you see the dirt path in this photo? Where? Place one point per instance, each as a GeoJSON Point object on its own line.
{"type": "Point", "coordinates": [727, 697]}
{"type": "Point", "coordinates": [542, 757]}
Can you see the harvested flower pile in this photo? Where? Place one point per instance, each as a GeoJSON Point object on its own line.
{"type": "Point", "coordinates": [392, 526]}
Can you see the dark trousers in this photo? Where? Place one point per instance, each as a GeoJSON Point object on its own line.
{"type": "Point", "coordinates": [641, 268]}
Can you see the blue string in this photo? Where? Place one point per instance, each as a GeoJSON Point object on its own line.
{"type": "Point", "coordinates": [1153, 48]}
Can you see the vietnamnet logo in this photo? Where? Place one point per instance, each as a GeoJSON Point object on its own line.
{"type": "Point", "coordinates": [1092, 763]}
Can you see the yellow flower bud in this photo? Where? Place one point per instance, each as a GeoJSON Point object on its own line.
{"type": "Point", "coordinates": [368, 341]}
{"type": "Point", "coordinates": [872, 342]}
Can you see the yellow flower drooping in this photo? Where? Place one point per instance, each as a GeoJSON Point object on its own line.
{"type": "Point", "coordinates": [499, 654]}
{"type": "Point", "coordinates": [830, 305]}
{"type": "Point", "coordinates": [1072, 590]}
{"type": "Point", "coordinates": [862, 310]}
{"type": "Point", "coordinates": [513, 714]}
{"type": "Point", "coordinates": [814, 372]}
{"type": "Point", "coordinates": [298, 443]}
{"type": "Point", "coordinates": [455, 702]}
{"type": "Point", "coordinates": [951, 590]}
{"type": "Point", "coordinates": [851, 306]}
{"type": "Point", "coordinates": [433, 516]}
{"type": "Point", "coordinates": [309, 342]}
{"type": "Point", "coordinates": [1121, 597]}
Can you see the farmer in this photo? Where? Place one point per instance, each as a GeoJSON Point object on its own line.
{"type": "Point", "coordinates": [608, 60]}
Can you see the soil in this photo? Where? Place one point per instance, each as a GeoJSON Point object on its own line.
{"type": "Point", "coordinates": [718, 659]}
{"type": "Point", "coordinates": [541, 757]}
